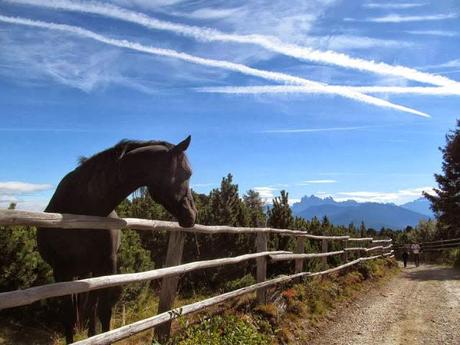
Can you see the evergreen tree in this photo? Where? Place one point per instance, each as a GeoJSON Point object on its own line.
{"type": "Point", "coordinates": [280, 217]}
{"type": "Point", "coordinates": [446, 202]}
{"type": "Point", "coordinates": [225, 204]}
{"type": "Point", "coordinates": [255, 208]}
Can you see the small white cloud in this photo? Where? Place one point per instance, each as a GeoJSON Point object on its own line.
{"type": "Point", "coordinates": [210, 13]}
{"type": "Point", "coordinates": [15, 187]}
{"type": "Point", "coordinates": [398, 6]}
{"type": "Point", "coordinates": [396, 18]}
{"type": "Point", "coordinates": [319, 181]}
{"type": "Point", "coordinates": [433, 33]}
{"type": "Point", "coordinates": [266, 193]}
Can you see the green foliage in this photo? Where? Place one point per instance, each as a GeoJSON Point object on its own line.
{"type": "Point", "coordinates": [133, 258]}
{"type": "Point", "coordinates": [246, 280]}
{"type": "Point", "coordinates": [221, 330]}
{"type": "Point", "coordinates": [446, 202]}
{"type": "Point", "coordinates": [280, 215]}
{"type": "Point", "coordinates": [456, 255]}
{"type": "Point", "coordinates": [20, 264]}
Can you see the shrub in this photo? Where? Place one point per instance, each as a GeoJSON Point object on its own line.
{"type": "Point", "coordinates": [21, 266]}
{"type": "Point", "coordinates": [221, 330]}
{"type": "Point", "coordinates": [133, 258]}
{"type": "Point", "coordinates": [247, 280]}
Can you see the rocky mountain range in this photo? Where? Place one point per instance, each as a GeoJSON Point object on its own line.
{"type": "Point", "coordinates": [374, 215]}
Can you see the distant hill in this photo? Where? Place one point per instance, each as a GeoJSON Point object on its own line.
{"type": "Point", "coordinates": [374, 215]}
{"type": "Point", "coordinates": [421, 205]}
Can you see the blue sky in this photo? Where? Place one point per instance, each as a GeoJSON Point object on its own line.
{"type": "Point", "coordinates": [307, 96]}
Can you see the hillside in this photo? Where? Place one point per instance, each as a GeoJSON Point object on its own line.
{"type": "Point", "coordinates": [374, 215]}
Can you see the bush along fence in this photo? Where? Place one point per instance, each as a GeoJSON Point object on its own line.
{"type": "Point", "coordinates": [367, 248]}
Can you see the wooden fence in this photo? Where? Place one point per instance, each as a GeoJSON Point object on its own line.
{"type": "Point", "coordinates": [434, 246]}
{"type": "Point", "coordinates": [174, 269]}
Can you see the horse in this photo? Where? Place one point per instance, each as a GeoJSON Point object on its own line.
{"type": "Point", "coordinates": [95, 188]}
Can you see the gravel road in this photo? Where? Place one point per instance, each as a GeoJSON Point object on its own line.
{"type": "Point", "coordinates": [419, 306]}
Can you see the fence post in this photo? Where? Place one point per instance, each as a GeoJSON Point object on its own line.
{"type": "Point", "coordinates": [324, 250]}
{"type": "Point", "coordinates": [261, 246]}
{"type": "Point", "coordinates": [345, 252]}
{"type": "Point", "coordinates": [300, 249]}
{"type": "Point", "coordinates": [169, 285]}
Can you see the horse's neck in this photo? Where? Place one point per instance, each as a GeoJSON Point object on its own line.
{"type": "Point", "coordinates": [97, 196]}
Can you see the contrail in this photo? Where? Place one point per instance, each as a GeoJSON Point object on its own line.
{"type": "Point", "coordinates": [222, 64]}
{"type": "Point", "coordinates": [268, 42]}
{"type": "Point", "coordinates": [271, 89]}
{"type": "Point", "coordinates": [315, 130]}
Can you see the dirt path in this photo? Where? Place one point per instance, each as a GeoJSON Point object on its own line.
{"type": "Point", "coordinates": [419, 306]}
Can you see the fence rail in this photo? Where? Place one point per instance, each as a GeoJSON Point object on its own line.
{"type": "Point", "coordinates": [170, 275]}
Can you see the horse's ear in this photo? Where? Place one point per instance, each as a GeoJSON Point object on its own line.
{"type": "Point", "coordinates": [182, 146]}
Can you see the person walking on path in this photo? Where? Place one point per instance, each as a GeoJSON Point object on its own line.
{"type": "Point", "coordinates": [405, 257]}
{"type": "Point", "coordinates": [416, 252]}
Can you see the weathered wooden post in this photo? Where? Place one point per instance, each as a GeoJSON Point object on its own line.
{"type": "Point", "coordinates": [300, 249]}
{"type": "Point", "coordinates": [169, 285]}
{"type": "Point", "coordinates": [324, 250]}
{"type": "Point", "coordinates": [345, 252]}
{"type": "Point", "coordinates": [261, 246]}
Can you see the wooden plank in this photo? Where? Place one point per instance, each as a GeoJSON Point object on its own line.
{"type": "Point", "coordinates": [355, 249]}
{"type": "Point", "coordinates": [169, 285]}
{"type": "Point", "coordinates": [69, 221]}
{"type": "Point", "coordinates": [27, 296]}
{"type": "Point", "coordinates": [441, 241]}
{"type": "Point", "coordinates": [374, 248]}
{"type": "Point", "coordinates": [360, 239]}
{"type": "Point", "coordinates": [382, 241]}
{"type": "Point", "coordinates": [158, 225]}
{"type": "Point", "coordinates": [300, 249]}
{"type": "Point", "coordinates": [140, 326]}
{"type": "Point", "coordinates": [58, 220]}
{"type": "Point", "coordinates": [261, 274]}
{"type": "Point", "coordinates": [287, 257]}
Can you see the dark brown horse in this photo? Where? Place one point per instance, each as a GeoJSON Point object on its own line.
{"type": "Point", "coordinates": [95, 188]}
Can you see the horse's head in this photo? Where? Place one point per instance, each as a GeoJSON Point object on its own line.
{"type": "Point", "coordinates": [166, 173]}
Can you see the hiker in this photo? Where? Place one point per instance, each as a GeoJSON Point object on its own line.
{"type": "Point", "coordinates": [405, 257]}
{"type": "Point", "coordinates": [416, 252]}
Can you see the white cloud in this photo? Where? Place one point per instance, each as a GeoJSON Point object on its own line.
{"type": "Point", "coordinates": [398, 197]}
{"type": "Point", "coordinates": [320, 181]}
{"type": "Point", "coordinates": [396, 18]}
{"type": "Point", "coordinates": [210, 13]}
{"type": "Point", "coordinates": [267, 194]}
{"type": "Point", "coordinates": [282, 18]}
{"type": "Point", "coordinates": [433, 33]}
{"type": "Point", "coordinates": [37, 205]}
{"type": "Point", "coordinates": [220, 64]}
{"type": "Point", "coordinates": [15, 187]}
{"type": "Point", "coordinates": [390, 5]}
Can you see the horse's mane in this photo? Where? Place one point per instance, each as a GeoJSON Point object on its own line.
{"type": "Point", "coordinates": [110, 156]}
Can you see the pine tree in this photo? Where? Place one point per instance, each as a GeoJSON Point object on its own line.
{"type": "Point", "coordinates": [225, 204]}
{"type": "Point", "coordinates": [446, 202]}
{"type": "Point", "coordinates": [255, 208]}
{"type": "Point", "coordinates": [280, 217]}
